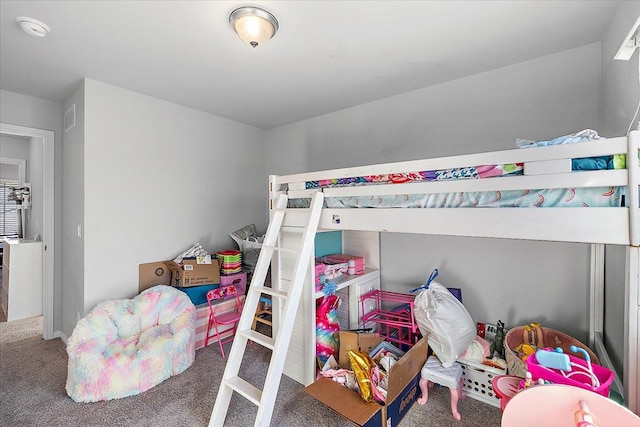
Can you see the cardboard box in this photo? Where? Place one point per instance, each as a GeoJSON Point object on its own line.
{"type": "Point", "coordinates": [358, 342]}
{"type": "Point", "coordinates": [171, 274]}
{"type": "Point", "coordinates": [402, 392]}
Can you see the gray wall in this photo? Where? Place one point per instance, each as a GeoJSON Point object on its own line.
{"type": "Point", "coordinates": [22, 110]}
{"type": "Point", "coordinates": [515, 281]}
{"type": "Point", "coordinates": [159, 177]}
{"type": "Point", "coordinates": [15, 147]}
{"type": "Point", "coordinates": [73, 269]}
{"type": "Point", "coordinates": [35, 171]}
{"type": "Point", "coordinates": [620, 98]}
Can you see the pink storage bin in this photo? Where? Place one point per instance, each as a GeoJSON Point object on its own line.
{"type": "Point", "coordinates": [239, 280]}
{"type": "Point", "coordinates": [604, 375]}
{"type": "Point", "coordinates": [342, 258]}
{"type": "Point", "coordinates": [320, 267]}
{"type": "Point", "coordinates": [318, 275]}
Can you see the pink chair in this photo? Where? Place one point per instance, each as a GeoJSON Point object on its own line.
{"type": "Point", "coordinates": [218, 320]}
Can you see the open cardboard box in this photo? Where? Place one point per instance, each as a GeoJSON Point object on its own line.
{"type": "Point", "coordinates": [402, 392]}
{"type": "Point", "coordinates": [357, 342]}
{"type": "Point", "coordinates": [171, 274]}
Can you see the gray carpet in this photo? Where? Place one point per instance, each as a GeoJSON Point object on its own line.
{"type": "Point", "coordinates": [33, 374]}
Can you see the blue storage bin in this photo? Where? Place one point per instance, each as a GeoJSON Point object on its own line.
{"type": "Point", "coordinates": [198, 294]}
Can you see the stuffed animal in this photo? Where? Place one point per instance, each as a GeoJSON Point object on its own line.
{"type": "Point", "coordinates": [498, 344]}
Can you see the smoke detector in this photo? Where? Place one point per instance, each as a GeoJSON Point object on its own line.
{"type": "Point", "coordinates": [33, 26]}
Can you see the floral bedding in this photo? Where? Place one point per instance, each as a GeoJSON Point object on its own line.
{"type": "Point", "coordinates": [474, 172]}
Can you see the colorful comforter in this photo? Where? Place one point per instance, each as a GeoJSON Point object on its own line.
{"type": "Point", "coordinates": [474, 172]}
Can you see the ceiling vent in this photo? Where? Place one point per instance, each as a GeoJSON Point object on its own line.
{"type": "Point", "coordinates": [70, 118]}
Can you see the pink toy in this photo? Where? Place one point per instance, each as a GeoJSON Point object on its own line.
{"type": "Point", "coordinates": [399, 327]}
{"type": "Point", "coordinates": [561, 405]}
{"type": "Point", "coordinates": [560, 368]}
{"type": "Point", "coordinates": [505, 387]}
{"type": "Point", "coordinates": [327, 328]}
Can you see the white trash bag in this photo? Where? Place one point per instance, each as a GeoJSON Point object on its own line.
{"type": "Point", "coordinates": [444, 320]}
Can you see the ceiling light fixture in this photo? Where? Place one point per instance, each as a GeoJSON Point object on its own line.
{"type": "Point", "coordinates": [253, 25]}
{"type": "Point", "coordinates": [33, 26]}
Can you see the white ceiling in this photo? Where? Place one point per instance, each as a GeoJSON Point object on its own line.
{"type": "Point", "coordinates": [327, 56]}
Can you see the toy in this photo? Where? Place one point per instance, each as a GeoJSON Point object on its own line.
{"type": "Point", "coordinates": [556, 405]}
{"type": "Point", "coordinates": [560, 368]}
{"type": "Point", "coordinates": [560, 361]}
{"type": "Point", "coordinates": [584, 417]}
{"type": "Point", "coordinates": [497, 344]}
{"type": "Point", "coordinates": [505, 387]}
{"type": "Point", "coordinates": [532, 335]}
{"type": "Point", "coordinates": [327, 326]}
{"type": "Point", "coordinates": [434, 372]}
{"type": "Point", "coordinates": [532, 339]}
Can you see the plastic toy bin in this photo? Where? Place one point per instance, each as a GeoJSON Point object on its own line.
{"type": "Point", "coordinates": [604, 375]}
{"type": "Point", "coordinates": [478, 381]}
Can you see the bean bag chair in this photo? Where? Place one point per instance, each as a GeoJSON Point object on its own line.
{"type": "Point", "coordinates": [124, 347]}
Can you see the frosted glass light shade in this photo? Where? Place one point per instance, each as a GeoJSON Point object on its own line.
{"type": "Point", "coordinates": [254, 26]}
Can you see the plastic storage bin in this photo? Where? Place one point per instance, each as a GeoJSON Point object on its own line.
{"type": "Point", "coordinates": [604, 375]}
{"type": "Point", "coordinates": [478, 381]}
{"type": "Point", "coordinates": [198, 294]}
{"type": "Point", "coordinates": [239, 280]}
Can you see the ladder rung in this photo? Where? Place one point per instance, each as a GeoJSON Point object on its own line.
{"type": "Point", "coordinates": [270, 291]}
{"type": "Point", "coordinates": [281, 249]}
{"type": "Point", "coordinates": [259, 338]}
{"type": "Point", "coordinates": [250, 392]}
{"type": "Point", "coordinates": [291, 229]}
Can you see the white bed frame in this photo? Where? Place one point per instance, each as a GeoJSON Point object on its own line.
{"type": "Point", "coordinates": [594, 225]}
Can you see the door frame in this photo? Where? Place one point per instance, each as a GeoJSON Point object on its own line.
{"type": "Point", "coordinates": [48, 226]}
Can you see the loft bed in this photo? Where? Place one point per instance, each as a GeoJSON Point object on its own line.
{"type": "Point", "coordinates": [577, 188]}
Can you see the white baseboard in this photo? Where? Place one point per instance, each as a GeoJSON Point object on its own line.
{"type": "Point", "coordinates": [61, 335]}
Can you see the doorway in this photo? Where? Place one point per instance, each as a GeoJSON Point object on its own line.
{"type": "Point", "coordinates": [46, 138]}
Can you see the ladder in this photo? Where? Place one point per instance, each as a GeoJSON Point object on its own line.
{"type": "Point", "coordinates": [279, 342]}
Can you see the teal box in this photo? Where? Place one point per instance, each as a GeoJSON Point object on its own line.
{"type": "Point", "coordinates": [198, 294]}
{"type": "Point", "coordinates": [328, 243]}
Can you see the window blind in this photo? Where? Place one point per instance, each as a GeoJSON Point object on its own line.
{"type": "Point", "coordinates": [8, 211]}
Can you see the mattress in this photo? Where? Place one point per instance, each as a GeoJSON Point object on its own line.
{"type": "Point", "coordinates": [556, 197]}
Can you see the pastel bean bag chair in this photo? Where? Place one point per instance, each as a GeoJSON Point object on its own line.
{"type": "Point", "coordinates": [124, 347]}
